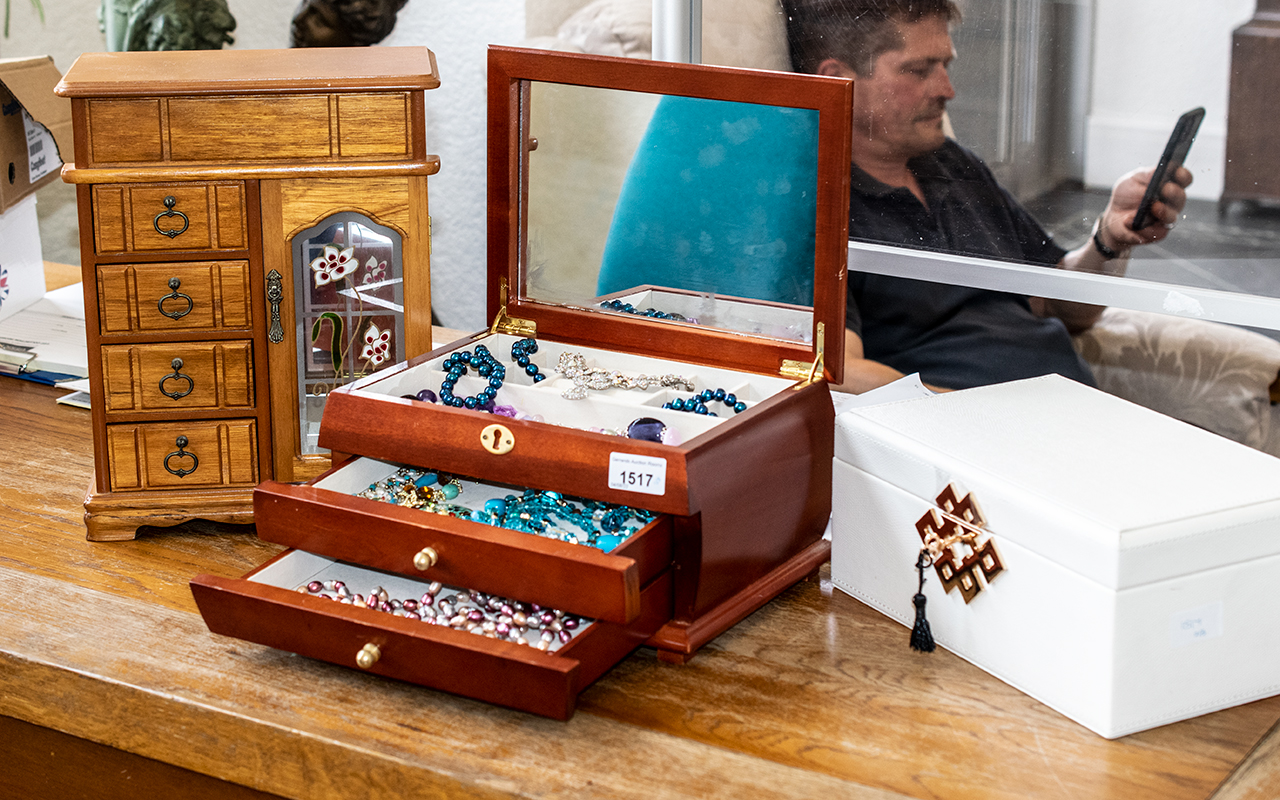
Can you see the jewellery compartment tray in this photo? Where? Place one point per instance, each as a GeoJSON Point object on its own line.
{"type": "Point", "coordinates": [566, 445]}
{"type": "Point", "coordinates": [325, 516]}
{"type": "Point", "coordinates": [749, 493]}
{"type": "Point", "coordinates": [263, 607]}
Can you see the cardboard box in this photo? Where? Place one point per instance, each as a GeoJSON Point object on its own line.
{"type": "Point", "coordinates": [35, 131]}
{"type": "Point", "coordinates": [1133, 582]}
{"type": "Point", "coordinates": [21, 262]}
{"type": "Point", "coordinates": [35, 127]}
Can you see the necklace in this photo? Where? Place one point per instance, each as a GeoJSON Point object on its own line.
{"type": "Point", "coordinates": [698, 403]}
{"type": "Point", "coordinates": [485, 365]}
{"type": "Point", "coordinates": [551, 515]}
{"type": "Point", "coordinates": [467, 610]}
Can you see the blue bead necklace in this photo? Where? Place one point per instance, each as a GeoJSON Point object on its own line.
{"type": "Point", "coordinates": [698, 403]}
{"type": "Point", "coordinates": [627, 308]}
{"type": "Point", "coordinates": [485, 365]}
{"type": "Point", "coordinates": [520, 352]}
{"type": "Point", "coordinates": [542, 513]}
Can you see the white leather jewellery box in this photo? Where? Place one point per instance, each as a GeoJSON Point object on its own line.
{"type": "Point", "coordinates": [1125, 570]}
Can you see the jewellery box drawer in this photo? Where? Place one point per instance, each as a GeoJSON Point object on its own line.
{"type": "Point", "coordinates": [130, 218]}
{"type": "Point", "coordinates": [187, 455]}
{"type": "Point", "coordinates": [193, 296]}
{"type": "Point", "coordinates": [264, 607]}
{"type": "Point", "coordinates": [324, 516]}
{"type": "Point", "coordinates": [178, 376]}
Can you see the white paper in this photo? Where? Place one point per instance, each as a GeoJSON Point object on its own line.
{"type": "Point", "coordinates": [1195, 624]}
{"type": "Point", "coordinates": [636, 473]}
{"type": "Point", "coordinates": [48, 334]}
{"type": "Point", "coordinates": [906, 388]}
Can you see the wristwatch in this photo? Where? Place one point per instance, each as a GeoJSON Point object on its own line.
{"type": "Point", "coordinates": [1106, 252]}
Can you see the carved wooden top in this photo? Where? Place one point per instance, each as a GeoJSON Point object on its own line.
{"type": "Point", "coordinates": [211, 72]}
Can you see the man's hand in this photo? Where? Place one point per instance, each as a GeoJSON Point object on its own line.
{"type": "Point", "coordinates": [1126, 195]}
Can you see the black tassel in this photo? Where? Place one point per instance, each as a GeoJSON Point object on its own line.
{"type": "Point", "coordinates": [921, 636]}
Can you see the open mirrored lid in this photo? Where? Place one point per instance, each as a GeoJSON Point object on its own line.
{"type": "Point", "coordinates": [697, 213]}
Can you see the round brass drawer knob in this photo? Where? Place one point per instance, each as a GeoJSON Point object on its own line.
{"type": "Point", "coordinates": [497, 439]}
{"type": "Point", "coordinates": [368, 656]}
{"type": "Point", "coordinates": [425, 559]}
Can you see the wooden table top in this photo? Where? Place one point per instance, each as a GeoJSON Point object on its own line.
{"type": "Point", "coordinates": [815, 695]}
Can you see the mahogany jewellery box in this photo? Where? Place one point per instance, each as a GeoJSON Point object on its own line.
{"type": "Point", "coordinates": [638, 450]}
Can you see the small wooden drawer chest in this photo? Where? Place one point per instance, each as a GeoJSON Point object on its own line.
{"type": "Point", "coordinates": [210, 184]}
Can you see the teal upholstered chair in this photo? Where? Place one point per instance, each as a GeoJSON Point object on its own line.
{"type": "Point", "coordinates": [690, 217]}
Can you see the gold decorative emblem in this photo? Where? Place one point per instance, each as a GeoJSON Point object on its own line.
{"type": "Point", "coordinates": [958, 543]}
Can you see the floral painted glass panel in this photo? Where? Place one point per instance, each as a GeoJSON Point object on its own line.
{"type": "Point", "coordinates": [349, 300]}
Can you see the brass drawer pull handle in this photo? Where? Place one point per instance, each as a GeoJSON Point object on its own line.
{"type": "Point", "coordinates": [177, 376]}
{"type": "Point", "coordinates": [169, 203]}
{"type": "Point", "coordinates": [368, 656]}
{"type": "Point", "coordinates": [182, 452]}
{"type": "Point", "coordinates": [425, 559]}
{"type": "Point", "coordinates": [275, 294]}
{"type": "Point", "coordinates": [174, 283]}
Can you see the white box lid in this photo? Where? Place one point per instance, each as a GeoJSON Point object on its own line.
{"type": "Point", "coordinates": [1108, 489]}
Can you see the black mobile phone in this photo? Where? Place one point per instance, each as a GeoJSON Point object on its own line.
{"type": "Point", "coordinates": [1175, 152]}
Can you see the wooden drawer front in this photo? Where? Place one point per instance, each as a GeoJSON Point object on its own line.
{"type": "Point", "coordinates": [429, 655]}
{"type": "Point", "coordinates": [149, 377]}
{"type": "Point", "coordinates": [221, 130]}
{"type": "Point", "coordinates": [215, 453]}
{"type": "Point", "coordinates": [239, 129]}
{"type": "Point", "coordinates": [125, 131]}
{"type": "Point", "coordinates": [374, 126]}
{"type": "Point", "coordinates": [135, 218]}
{"type": "Point", "coordinates": [209, 295]}
{"type": "Point", "coordinates": [576, 578]}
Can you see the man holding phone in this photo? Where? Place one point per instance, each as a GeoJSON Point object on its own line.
{"type": "Point", "coordinates": [911, 185]}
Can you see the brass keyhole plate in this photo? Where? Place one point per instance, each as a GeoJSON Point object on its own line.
{"type": "Point", "coordinates": [497, 439]}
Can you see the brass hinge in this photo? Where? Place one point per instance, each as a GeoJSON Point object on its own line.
{"type": "Point", "coordinates": [804, 371]}
{"type": "Point", "coordinates": [513, 326]}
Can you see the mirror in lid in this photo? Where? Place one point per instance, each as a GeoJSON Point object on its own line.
{"type": "Point", "coordinates": [719, 198]}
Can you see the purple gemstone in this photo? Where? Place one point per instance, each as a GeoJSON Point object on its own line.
{"type": "Point", "coordinates": [428, 599]}
{"type": "Point", "coordinates": [503, 629]}
{"type": "Point", "coordinates": [564, 636]}
{"type": "Point", "coordinates": [570, 623]}
{"type": "Point", "coordinates": [314, 586]}
{"type": "Point", "coordinates": [547, 618]}
{"type": "Point", "coordinates": [410, 605]}
{"type": "Point", "coordinates": [646, 429]}
{"type": "Point", "coordinates": [505, 411]}
{"type": "Point", "coordinates": [427, 396]}
{"type": "Point", "coordinates": [475, 615]}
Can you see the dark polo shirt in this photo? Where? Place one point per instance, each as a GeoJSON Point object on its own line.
{"type": "Point", "coordinates": [954, 336]}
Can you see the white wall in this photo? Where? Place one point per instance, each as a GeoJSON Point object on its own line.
{"type": "Point", "coordinates": [1153, 60]}
{"type": "Point", "coordinates": [458, 33]}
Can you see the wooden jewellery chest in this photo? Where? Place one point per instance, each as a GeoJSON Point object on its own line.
{"type": "Point", "coordinates": [721, 512]}
{"type": "Point", "coordinates": [250, 222]}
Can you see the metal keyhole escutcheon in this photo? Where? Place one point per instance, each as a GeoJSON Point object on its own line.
{"type": "Point", "coordinates": [181, 453]}
{"type": "Point", "coordinates": [497, 439]}
{"type": "Point", "coordinates": [174, 294]}
{"type": "Point", "coordinates": [169, 203]}
{"type": "Point", "coordinates": [177, 376]}
{"type": "Point", "coordinates": [275, 294]}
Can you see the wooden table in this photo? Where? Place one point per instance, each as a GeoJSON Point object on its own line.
{"type": "Point", "coordinates": [111, 686]}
